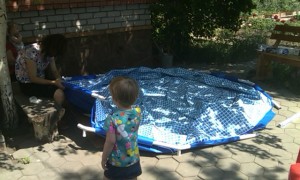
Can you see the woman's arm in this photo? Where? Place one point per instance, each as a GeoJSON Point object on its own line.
{"type": "Point", "coordinates": [54, 69]}
{"type": "Point", "coordinates": [32, 70]}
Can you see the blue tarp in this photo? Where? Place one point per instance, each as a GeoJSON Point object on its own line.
{"type": "Point", "coordinates": [180, 106]}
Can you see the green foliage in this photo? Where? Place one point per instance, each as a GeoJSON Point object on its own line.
{"type": "Point", "coordinates": [276, 5]}
{"type": "Point", "coordinates": [176, 23]}
{"type": "Point", "coordinates": [227, 47]}
{"type": "Point", "coordinates": [286, 76]}
{"type": "Point", "coordinates": [260, 24]}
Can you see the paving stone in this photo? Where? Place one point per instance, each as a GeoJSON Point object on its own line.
{"type": "Point", "coordinates": [285, 138]}
{"type": "Point", "coordinates": [33, 177]}
{"type": "Point", "coordinates": [243, 157]}
{"type": "Point", "coordinates": [258, 178]}
{"type": "Point", "coordinates": [293, 132]}
{"type": "Point", "coordinates": [169, 176]}
{"type": "Point", "coordinates": [280, 154]}
{"type": "Point", "coordinates": [91, 159]}
{"type": "Point", "coordinates": [288, 103]}
{"type": "Point", "coordinates": [286, 163]}
{"type": "Point", "coordinates": [169, 164]}
{"type": "Point", "coordinates": [205, 159]}
{"type": "Point", "coordinates": [265, 141]}
{"type": "Point", "coordinates": [71, 166]}
{"type": "Point", "coordinates": [204, 150]}
{"type": "Point", "coordinates": [276, 173]}
{"type": "Point", "coordinates": [221, 152]}
{"type": "Point", "coordinates": [149, 173]}
{"type": "Point", "coordinates": [252, 169]}
{"type": "Point", "coordinates": [267, 156]}
{"type": "Point", "coordinates": [54, 162]}
{"type": "Point", "coordinates": [44, 148]}
{"type": "Point", "coordinates": [236, 175]}
{"type": "Point", "coordinates": [211, 173]}
{"type": "Point", "coordinates": [164, 156]}
{"type": "Point", "coordinates": [297, 141]}
{"type": "Point", "coordinates": [266, 162]}
{"type": "Point", "coordinates": [271, 124]}
{"type": "Point", "coordinates": [49, 173]}
{"type": "Point", "coordinates": [39, 156]}
{"type": "Point", "coordinates": [69, 175]}
{"type": "Point", "coordinates": [286, 113]}
{"type": "Point", "coordinates": [75, 155]}
{"type": "Point", "coordinates": [10, 173]}
{"type": "Point", "coordinates": [294, 109]}
{"type": "Point", "coordinates": [294, 158]}
{"type": "Point", "coordinates": [290, 126]}
{"type": "Point", "coordinates": [33, 168]}
{"type": "Point", "coordinates": [188, 169]}
{"type": "Point", "coordinates": [275, 130]}
{"type": "Point", "coordinates": [186, 157]}
{"type": "Point", "coordinates": [91, 172]}
{"type": "Point", "coordinates": [23, 153]}
{"type": "Point", "coordinates": [228, 164]}
{"type": "Point", "coordinates": [282, 108]}
{"type": "Point", "coordinates": [291, 147]}
{"type": "Point", "coordinates": [148, 162]}
{"type": "Point", "coordinates": [279, 118]}
{"type": "Point", "coordinates": [192, 178]}
{"type": "Point", "coordinates": [296, 121]}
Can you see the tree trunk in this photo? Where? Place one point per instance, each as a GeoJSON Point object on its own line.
{"type": "Point", "coordinates": [10, 118]}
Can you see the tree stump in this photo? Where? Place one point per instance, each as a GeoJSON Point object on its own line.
{"type": "Point", "coordinates": [43, 115]}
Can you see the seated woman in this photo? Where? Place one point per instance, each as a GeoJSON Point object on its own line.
{"type": "Point", "coordinates": [14, 44]}
{"type": "Point", "coordinates": [31, 65]}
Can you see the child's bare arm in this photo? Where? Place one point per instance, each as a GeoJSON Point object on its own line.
{"type": "Point", "coordinates": [110, 141]}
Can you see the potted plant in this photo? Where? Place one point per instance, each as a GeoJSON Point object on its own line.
{"type": "Point", "coordinates": [167, 32]}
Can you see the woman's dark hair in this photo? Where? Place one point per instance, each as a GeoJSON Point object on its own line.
{"type": "Point", "coordinates": [54, 45]}
{"type": "Point", "coordinates": [10, 25]}
{"type": "Point", "coordinates": [124, 90]}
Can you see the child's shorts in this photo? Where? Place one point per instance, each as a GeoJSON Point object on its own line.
{"type": "Point", "coordinates": [122, 173]}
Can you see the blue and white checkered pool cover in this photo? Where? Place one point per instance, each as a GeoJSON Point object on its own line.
{"type": "Point", "coordinates": [180, 107]}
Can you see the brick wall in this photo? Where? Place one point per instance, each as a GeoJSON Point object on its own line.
{"type": "Point", "coordinates": [84, 20]}
{"type": "Point", "coordinates": [103, 35]}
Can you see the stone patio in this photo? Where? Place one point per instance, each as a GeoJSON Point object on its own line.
{"type": "Point", "coordinates": [267, 156]}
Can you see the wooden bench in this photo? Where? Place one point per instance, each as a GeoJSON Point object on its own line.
{"type": "Point", "coordinates": [42, 115]}
{"type": "Point", "coordinates": [286, 33]}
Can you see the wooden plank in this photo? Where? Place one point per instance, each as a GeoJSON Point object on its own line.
{"type": "Point", "coordinates": [287, 28]}
{"type": "Point", "coordinates": [285, 59]}
{"type": "Point", "coordinates": [285, 37]}
{"type": "Point", "coordinates": [280, 33]}
{"type": "Point", "coordinates": [286, 33]}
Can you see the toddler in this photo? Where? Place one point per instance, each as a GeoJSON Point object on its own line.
{"type": "Point", "coordinates": [120, 157]}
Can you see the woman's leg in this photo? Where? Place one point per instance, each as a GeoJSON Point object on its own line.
{"type": "Point", "coordinates": [59, 97]}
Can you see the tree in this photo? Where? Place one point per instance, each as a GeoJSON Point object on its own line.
{"type": "Point", "coordinates": [10, 118]}
{"type": "Point", "coordinates": [176, 23]}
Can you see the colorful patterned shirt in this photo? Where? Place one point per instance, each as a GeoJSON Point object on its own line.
{"type": "Point", "coordinates": [124, 123]}
{"type": "Point", "coordinates": [31, 52]}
